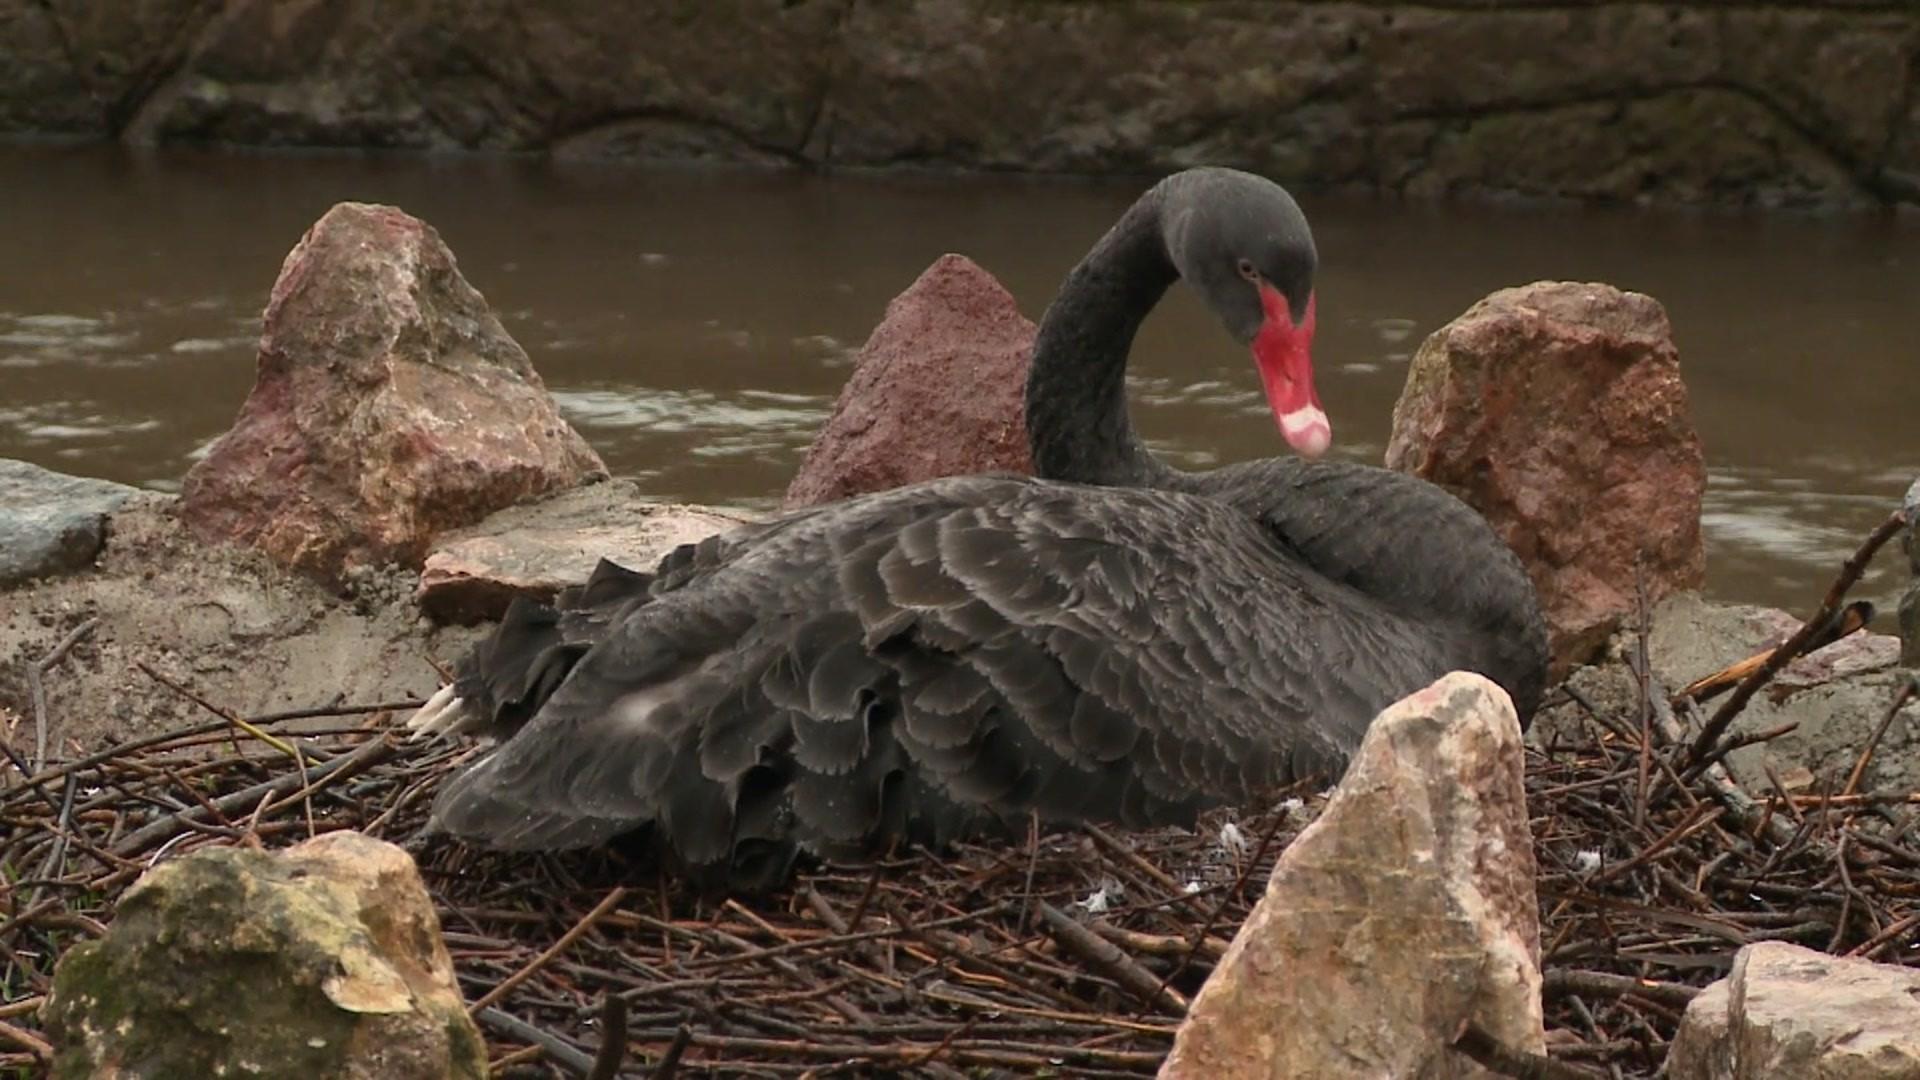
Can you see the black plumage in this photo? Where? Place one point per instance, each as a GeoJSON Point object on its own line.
{"type": "Point", "coordinates": [1115, 641]}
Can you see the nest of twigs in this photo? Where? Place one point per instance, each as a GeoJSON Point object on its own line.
{"type": "Point", "coordinates": [1070, 952]}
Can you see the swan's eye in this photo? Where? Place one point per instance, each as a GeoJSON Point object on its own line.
{"type": "Point", "coordinates": [1248, 271]}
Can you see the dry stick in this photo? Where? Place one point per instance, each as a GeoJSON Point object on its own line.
{"type": "Point", "coordinates": [1886, 937]}
{"type": "Point", "coordinates": [1907, 690]}
{"type": "Point", "coordinates": [606, 904]}
{"type": "Point", "coordinates": [1109, 958]}
{"type": "Point", "coordinates": [1134, 859]}
{"type": "Point", "coordinates": [1851, 620]}
{"type": "Point", "coordinates": [613, 1038]}
{"type": "Point", "coordinates": [57, 851]}
{"type": "Point", "coordinates": [1850, 573]}
{"type": "Point", "coordinates": [1157, 944]}
{"type": "Point", "coordinates": [37, 687]}
{"type": "Point", "coordinates": [1562, 981]}
{"type": "Point", "coordinates": [1005, 1052]}
{"type": "Point", "coordinates": [1696, 819]}
{"type": "Point", "coordinates": [1745, 809]}
{"type": "Point", "coordinates": [26, 1040]}
{"type": "Point", "coordinates": [499, 1066]}
{"type": "Point", "coordinates": [369, 754]}
{"type": "Point", "coordinates": [1642, 671]}
{"type": "Point", "coordinates": [121, 750]}
{"type": "Point", "coordinates": [1033, 864]}
{"type": "Point", "coordinates": [1226, 898]}
{"type": "Point", "coordinates": [669, 1062]}
{"type": "Point", "coordinates": [555, 1047]}
{"type": "Point", "coordinates": [752, 954]}
{"type": "Point", "coordinates": [964, 1029]}
{"type": "Point", "coordinates": [225, 714]}
{"type": "Point", "coordinates": [1745, 739]}
{"type": "Point", "coordinates": [866, 897]}
{"type": "Point", "coordinates": [1489, 1052]}
{"type": "Point", "coordinates": [32, 782]}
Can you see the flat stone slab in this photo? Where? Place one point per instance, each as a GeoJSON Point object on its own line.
{"type": "Point", "coordinates": [52, 523]}
{"type": "Point", "coordinates": [1787, 1011]}
{"type": "Point", "coordinates": [537, 549]}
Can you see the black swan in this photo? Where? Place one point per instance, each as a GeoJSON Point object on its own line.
{"type": "Point", "coordinates": [1114, 641]}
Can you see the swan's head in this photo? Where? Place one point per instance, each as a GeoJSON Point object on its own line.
{"type": "Point", "coordinates": [1243, 244]}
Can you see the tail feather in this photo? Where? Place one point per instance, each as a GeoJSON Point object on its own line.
{"type": "Point", "coordinates": [502, 682]}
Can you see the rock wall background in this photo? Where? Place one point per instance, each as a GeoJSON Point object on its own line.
{"type": "Point", "coordinates": [1810, 102]}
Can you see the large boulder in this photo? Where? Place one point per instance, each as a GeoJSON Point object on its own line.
{"type": "Point", "coordinates": [1557, 410]}
{"type": "Point", "coordinates": [940, 390]}
{"type": "Point", "coordinates": [390, 404]}
{"type": "Point", "coordinates": [324, 960]}
{"type": "Point", "coordinates": [51, 523]}
{"type": "Point", "coordinates": [1787, 1011]}
{"type": "Point", "coordinates": [539, 548]}
{"type": "Point", "coordinates": [1406, 911]}
{"type": "Point", "coordinates": [1802, 101]}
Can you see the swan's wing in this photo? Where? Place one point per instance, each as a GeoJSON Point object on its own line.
{"type": "Point", "coordinates": [918, 666]}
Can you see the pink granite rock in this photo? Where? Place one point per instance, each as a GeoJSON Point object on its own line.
{"type": "Point", "coordinates": [1557, 410]}
{"type": "Point", "coordinates": [389, 404]}
{"type": "Point", "coordinates": [939, 391]}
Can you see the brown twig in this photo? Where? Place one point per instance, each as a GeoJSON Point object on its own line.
{"type": "Point", "coordinates": [1908, 689]}
{"type": "Point", "coordinates": [26, 1040]}
{"type": "Point", "coordinates": [606, 904]}
{"type": "Point", "coordinates": [1109, 958]}
{"type": "Point", "coordinates": [613, 1039]}
{"type": "Point", "coordinates": [37, 688]}
{"type": "Point", "coordinates": [669, 1062]}
{"type": "Point", "coordinates": [1490, 1053]}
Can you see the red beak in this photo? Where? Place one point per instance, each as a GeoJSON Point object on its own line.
{"type": "Point", "coordinates": [1284, 354]}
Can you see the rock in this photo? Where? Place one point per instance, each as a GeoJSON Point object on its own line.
{"type": "Point", "coordinates": [1910, 603]}
{"type": "Point", "coordinates": [390, 405]}
{"type": "Point", "coordinates": [1798, 102]}
{"type": "Point", "coordinates": [940, 390]}
{"type": "Point", "coordinates": [1558, 411]}
{"type": "Point", "coordinates": [1405, 911]}
{"type": "Point", "coordinates": [41, 88]}
{"type": "Point", "coordinates": [537, 549]}
{"type": "Point", "coordinates": [323, 960]}
{"type": "Point", "coordinates": [1787, 1011]}
{"type": "Point", "coordinates": [242, 631]}
{"type": "Point", "coordinates": [1837, 695]}
{"type": "Point", "coordinates": [51, 523]}
{"type": "Point", "coordinates": [1909, 615]}
{"type": "Point", "coordinates": [1700, 1049]}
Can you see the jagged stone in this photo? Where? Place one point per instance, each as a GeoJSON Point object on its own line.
{"type": "Point", "coordinates": [1405, 911]}
{"type": "Point", "coordinates": [939, 390]}
{"type": "Point", "coordinates": [1837, 695]}
{"type": "Point", "coordinates": [1557, 410]}
{"type": "Point", "coordinates": [51, 523]}
{"type": "Point", "coordinates": [1788, 1011]}
{"type": "Point", "coordinates": [323, 960]}
{"type": "Point", "coordinates": [390, 405]}
{"type": "Point", "coordinates": [537, 549]}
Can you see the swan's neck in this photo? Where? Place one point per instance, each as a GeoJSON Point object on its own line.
{"type": "Point", "coordinates": [1077, 422]}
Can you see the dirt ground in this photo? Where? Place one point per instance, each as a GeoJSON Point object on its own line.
{"type": "Point", "coordinates": [223, 622]}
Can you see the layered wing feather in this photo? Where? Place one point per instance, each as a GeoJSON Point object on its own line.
{"type": "Point", "coordinates": [933, 662]}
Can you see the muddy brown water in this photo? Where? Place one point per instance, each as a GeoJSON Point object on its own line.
{"type": "Point", "coordinates": [696, 325]}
